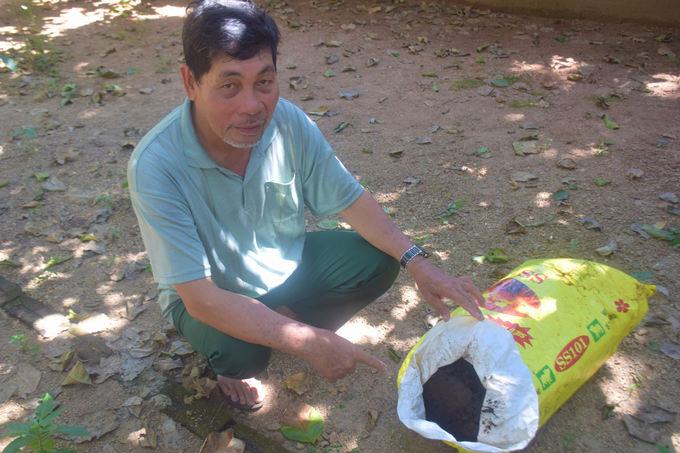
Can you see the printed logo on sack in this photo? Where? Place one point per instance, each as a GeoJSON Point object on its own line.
{"type": "Point", "coordinates": [520, 334]}
{"type": "Point", "coordinates": [571, 353]}
{"type": "Point", "coordinates": [546, 377]}
{"type": "Point", "coordinates": [596, 330]}
{"type": "Point", "coordinates": [512, 297]}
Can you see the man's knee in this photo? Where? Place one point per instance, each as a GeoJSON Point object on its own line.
{"type": "Point", "coordinates": [240, 362]}
{"type": "Point", "coordinates": [386, 268]}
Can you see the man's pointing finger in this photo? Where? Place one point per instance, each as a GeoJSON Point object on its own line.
{"type": "Point", "coordinates": [368, 359]}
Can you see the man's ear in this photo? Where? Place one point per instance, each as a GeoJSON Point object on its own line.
{"type": "Point", "coordinates": [189, 81]}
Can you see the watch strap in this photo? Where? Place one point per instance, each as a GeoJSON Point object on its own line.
{"type": "Point", "coordinates": [412, 253]}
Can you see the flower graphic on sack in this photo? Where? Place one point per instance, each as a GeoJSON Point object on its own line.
{"type": "Point", "coordinates": [621, 306]}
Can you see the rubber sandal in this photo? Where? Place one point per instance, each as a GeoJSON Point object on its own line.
{"type": "Point", "coordinates": [242, 406]}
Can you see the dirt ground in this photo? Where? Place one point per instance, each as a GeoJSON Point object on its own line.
{"type": "Point", "coordinates": [560, 74]}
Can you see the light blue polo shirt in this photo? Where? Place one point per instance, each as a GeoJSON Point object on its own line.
{"type": "Point", "coordinates": [201, 220]}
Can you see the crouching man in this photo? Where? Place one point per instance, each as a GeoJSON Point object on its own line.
{"type": "Point", "coordinates": [219, 188]}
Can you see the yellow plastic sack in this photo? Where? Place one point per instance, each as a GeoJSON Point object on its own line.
{"type": "Point", "coordinates": [566, 318]}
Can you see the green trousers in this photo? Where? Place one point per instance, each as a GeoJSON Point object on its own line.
{"type": "Point", "coordinates": [339, 275]}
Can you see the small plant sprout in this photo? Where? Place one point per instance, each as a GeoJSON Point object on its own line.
{"type": "Point", "coordinates": [32, 350]}
{"type": "Point", "coordinates": [106, 199]}
{"type": "Point", "coordinates": [36, 435]}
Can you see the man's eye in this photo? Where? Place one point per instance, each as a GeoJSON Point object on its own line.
{"type": "Point", "coordinates": [229, 85]}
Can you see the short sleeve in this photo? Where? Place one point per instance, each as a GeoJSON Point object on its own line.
{"type": "Point", "coordinates": [166, 222]}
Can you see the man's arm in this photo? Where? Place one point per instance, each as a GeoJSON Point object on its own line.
{"type": "Point", "coordinates": [249, 320]}
{"type": "Point", "coordinates": [369, 219]}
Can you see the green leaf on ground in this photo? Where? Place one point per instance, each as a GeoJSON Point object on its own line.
{"type": "Point", "coordinates": [9, 62]}
{"type": "Point", "coordinates": [303, 424]}
{"type": "Point", "coordinates": [328, 224]}
{"type": "Point", "coordinates": [497, 255]}
{"type": "Point", "coordinates": [609, 123]}
{"type": "Point", "coordinates": [483, 152]}
{"type": "Point", "coordinates": [643, 275]}
{"type": "Point", "coordinates": [109, 74]}
{"type": "Point", "coordinates": [657, 233]}
{"type": "Point", "coordinates": [341, 126]}
{"type": "Point", "coordinates": [131, 71]}
{"type": "Point", "coordinates": [661, 449]}
{"type": "Point", "coordinates": [561, 38]}
{"type": "Point", "coordinates": [482, 48]}
{"type": "Point", "coordinates": [430, 74]}
{"type": "Point", "coordinates": [54, 261]}
{"type": "Point", "coordinates": [561, 195]}
{"type": "Point", "coordinates": [329, 73]}
{"type": "Point", "coordinates": [480, 60]}
{"type": "Point", "coordinates": [41, 176]}
{"type": "Point", "coordinates": [602, 182]}
{"type": "Point", "coordinates": [12, 263]}
{"type": "Point", "coordinates": [500, 82]}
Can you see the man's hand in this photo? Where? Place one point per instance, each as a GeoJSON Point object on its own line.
{"type": "Point", "coordinates": [435, 286]}
{"type": "Point", "coordinates": [369, 219]}
{"type": "Point", "coordinates": [335, 358]}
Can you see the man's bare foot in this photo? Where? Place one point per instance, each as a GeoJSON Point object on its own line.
{"type": "Point", "coordinates": [247, 392]}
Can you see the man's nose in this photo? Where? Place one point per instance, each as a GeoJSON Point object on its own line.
{"type": "Point", "coordinates": [250, 103]}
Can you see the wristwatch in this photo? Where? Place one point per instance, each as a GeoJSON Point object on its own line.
{"type": "Point", "coordinates": [412, 253]}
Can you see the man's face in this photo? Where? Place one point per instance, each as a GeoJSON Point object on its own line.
{"type": "Point", "coordinates": [234, 102]}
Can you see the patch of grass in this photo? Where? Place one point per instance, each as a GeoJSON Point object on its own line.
{"type": "Point", "coordinates": [162, 65]}
{"type": "Point", "coordinates": [566, 442]}
{"type": "Point", "coordinates": [421, 240]}
{"type": "Point", "coordinates": [32, 350]}
{"type": "Point", "coordinates": [106, 199]}
{"type": "Point", "coordinates": [522, 104]}
{"type": "Point", "coordinates": [466, 84]}
{"type": "Point", "coordinates": [38, 52]}
{"type": "Point", "coordinates": [511, 79]}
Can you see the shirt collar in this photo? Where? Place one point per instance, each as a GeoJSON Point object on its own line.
{"type": "Point", "coordinates": [196, 155]}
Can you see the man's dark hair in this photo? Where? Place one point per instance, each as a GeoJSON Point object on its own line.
{"type": "Point", "coordinates": [231, 28]}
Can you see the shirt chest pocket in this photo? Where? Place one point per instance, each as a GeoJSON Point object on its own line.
{"type": "Point", "coordinates": [283, 201]}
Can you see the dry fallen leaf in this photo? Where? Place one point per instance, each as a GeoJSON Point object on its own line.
{"type": "Point", "coordinates": [299, 383]}
{"type": "Point", "coordinates": [320, 111]}
{"type": "Point", "coordinates": [567, 163]}
{"type": "Point", "coordinates": [202, 387]}
{"type": "Point", "coordinates": [77, 375]}
{"type": "Point", "coordinates": [150, 439]}
{"type": "Point", "coordinates": [59, 363]}
{"type": "Point", "coordinates": [371, 418]}
{"type": "Point", "coordinates": [514, 227]}
{"type": "Point", "coordinates": [25, 380]}
{"type": "Point", "coordinates": [223, 442]}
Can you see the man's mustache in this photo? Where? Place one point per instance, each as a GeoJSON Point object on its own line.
{"type": "Point", "coordinates": [258, 121]}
